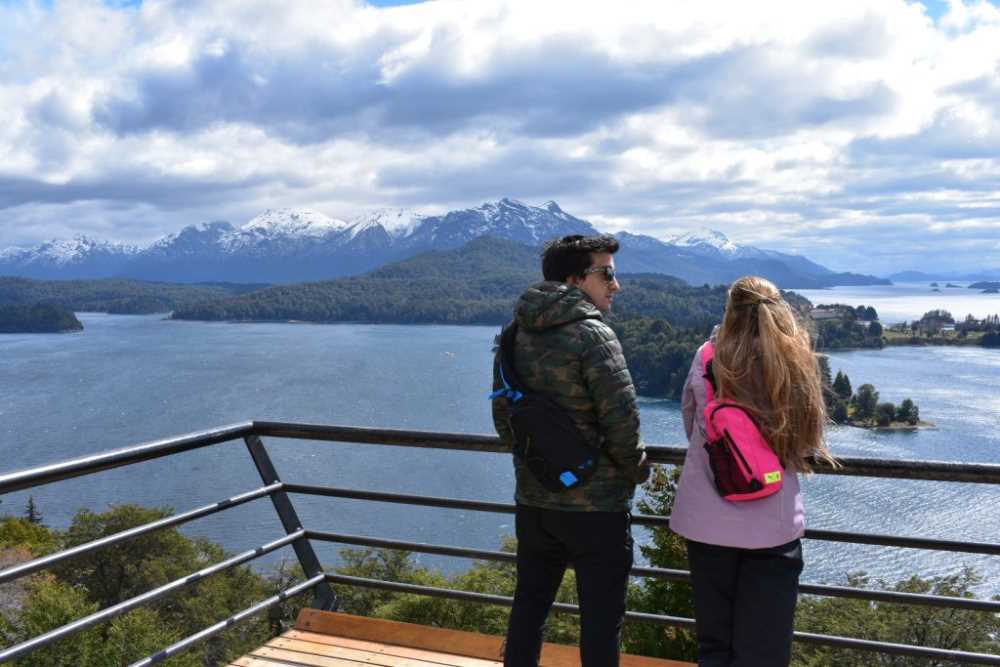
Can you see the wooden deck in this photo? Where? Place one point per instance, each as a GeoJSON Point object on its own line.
{"type": "Point", "coordinates": [328, 639]}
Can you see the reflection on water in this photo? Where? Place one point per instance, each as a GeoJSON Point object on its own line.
{"type": "Point", "coordinates": [126, 380]}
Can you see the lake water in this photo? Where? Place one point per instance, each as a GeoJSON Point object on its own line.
{"type": "Point", "coordinates": [130, 379]}
{"type": "Point", "coordinates": [906, 302]}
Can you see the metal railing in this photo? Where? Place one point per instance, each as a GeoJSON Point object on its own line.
{"type": "Point", "coordinates": [319, 581]}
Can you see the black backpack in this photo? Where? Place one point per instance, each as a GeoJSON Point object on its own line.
{"type": "Point", "coordinates": [546, 438]}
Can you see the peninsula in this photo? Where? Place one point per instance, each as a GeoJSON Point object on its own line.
{"type": "Point", "coordinates": [37, 318]}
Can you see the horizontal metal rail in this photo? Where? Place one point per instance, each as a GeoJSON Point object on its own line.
{"type": "Point", "coordinates": [55, 472]}
{"type": "Point", "coordinates": [664, 573]}
{"type": "Point", "coordinates": [81, 624]}
{"type": "Point", "coordinates": [212, 630]}
{"type": "Point", "coordinates": [939, 471]}
{"type": "Point", "coordinates": [637, 519]}
{"type": "Point", "coordinates": [18, 571]}
{"type": "Point", "coordinates": [960, 657]}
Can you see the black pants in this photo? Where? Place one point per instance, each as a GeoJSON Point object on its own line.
{"type": "Point", "coordinates": [599, 545]}
{"type": "Point", "coordinates": [744, 601]}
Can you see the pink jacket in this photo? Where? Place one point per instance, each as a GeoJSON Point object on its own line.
{"type": "Point", "coordinates": [700, 514]}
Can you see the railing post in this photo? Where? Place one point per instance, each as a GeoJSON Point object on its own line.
{"type": "Point", "coordinates": [324, 597]}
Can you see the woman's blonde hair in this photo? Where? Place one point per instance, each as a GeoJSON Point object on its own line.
{"type": "Point", "coordinates": [764, 361]}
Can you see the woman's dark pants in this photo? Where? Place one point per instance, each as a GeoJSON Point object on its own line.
{"type": "Point", "coordinates": [599, 545]}
{"type": "Point", "coordinates": [744, 601]}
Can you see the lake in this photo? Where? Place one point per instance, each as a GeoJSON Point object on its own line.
{"type": "Point", "coordinates": [130, 379]}
{"type": "Point", "coordinates": [906, 302]}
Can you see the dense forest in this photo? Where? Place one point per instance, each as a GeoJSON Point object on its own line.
{"type": "Point", "coordinates": [37, 318]}
{"type": "Point", "coordinates": [126, 297]}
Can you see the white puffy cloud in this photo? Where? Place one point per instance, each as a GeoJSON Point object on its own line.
{"type": "Point", "coordinates": [852, 131]}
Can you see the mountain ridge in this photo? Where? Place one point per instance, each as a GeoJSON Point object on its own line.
{"type": "Point", "coordinates": [285, 245]}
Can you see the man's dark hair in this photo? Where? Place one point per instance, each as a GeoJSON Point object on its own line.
{"type": "Point", "coordinates": [570, 255]}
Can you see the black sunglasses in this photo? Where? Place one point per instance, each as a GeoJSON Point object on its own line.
{"type": "Point", "coordinates": [608, 271]}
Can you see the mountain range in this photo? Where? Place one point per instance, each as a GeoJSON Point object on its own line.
{"type": "Point", "coordinates": [295, 245]}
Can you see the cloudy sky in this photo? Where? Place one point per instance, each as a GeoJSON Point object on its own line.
{"type": "Point", "coordinates": [864, 134]}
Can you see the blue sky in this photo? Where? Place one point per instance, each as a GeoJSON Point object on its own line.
{"type": "Point", "coordinates": [863, 134]}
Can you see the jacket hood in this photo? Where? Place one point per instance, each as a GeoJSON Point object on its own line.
{"type": "Point", "coordinates": [551, 304]}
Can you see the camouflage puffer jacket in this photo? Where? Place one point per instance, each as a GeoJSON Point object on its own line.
{"type": "Point", "coordinates": [564, 349]}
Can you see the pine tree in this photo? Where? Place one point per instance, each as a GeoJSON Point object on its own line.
{"type": "Point", "coordinates": [842, 385]}
{"type": "Point", "coordinates": [31, 512]}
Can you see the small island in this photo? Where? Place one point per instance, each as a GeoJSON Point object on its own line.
{"type": "Point", "coordinates": [37, 318]}
{"type": "Point", "coordinates": [986, 285]}
{"type": "Point", "coordinates": [863, 409]}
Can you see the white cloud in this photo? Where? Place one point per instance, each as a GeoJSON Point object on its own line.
{"type": "Point", "coordinates": [813, 126]}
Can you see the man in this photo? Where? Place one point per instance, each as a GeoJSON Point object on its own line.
{"type": "Point", "coordinates": [565, 349]}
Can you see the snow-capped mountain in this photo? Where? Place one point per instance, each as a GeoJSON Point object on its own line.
{"type": "Point", "coordinates": [80, 256]}
{"type": "Point", "coordinates": [291, 245]}
{"type": "Point", "coordinates": [508, 218]}
{"type": "Point", "coordinates": [707, 242]}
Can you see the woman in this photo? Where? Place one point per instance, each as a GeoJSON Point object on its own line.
{"type": "Point", "coordinates": [746, 557]}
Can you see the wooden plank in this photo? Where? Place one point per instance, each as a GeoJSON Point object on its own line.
{"type": "Point", "coordinates": [313, 660]}
{"type": "Point", "coordinates": [250, 661]}
{"type": "Point", "coordinates": [460, 642]}
{"type": "Point", "coordinates": [348, 653]}
{"type": "Point", "coordinates": [391, 649]}
{"type": "Point", "coordinates": [403, 634]}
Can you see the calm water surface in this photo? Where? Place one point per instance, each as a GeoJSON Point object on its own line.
{"type": "Point", "coordinates": [906, 302]}
{"type": "Point", "coordinates": [130, 379]}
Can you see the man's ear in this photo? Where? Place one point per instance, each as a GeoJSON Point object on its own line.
{"type": "Point", "coordinates": [574, 280]}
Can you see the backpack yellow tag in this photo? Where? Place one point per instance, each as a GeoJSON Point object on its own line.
{"type": "Point", "coordinates": [772, 477]}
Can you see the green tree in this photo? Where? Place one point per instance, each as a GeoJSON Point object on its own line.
{"type": "Point", "coordinates": [884, 413]}
{"type": "Point", "coordinates": [31, 513]}
{"type": "Point", "coordinates": [955, 629]}
{"type": "Point", "coordinates": [15, 532]}
{"type": "Point", "coordinates": [874, 329]}
{"type": "Point", "coordinates": [114, 574]}
{"type": "Point", "coordinates": [839, 412]}
{"type": "Point", "coordinates": [905, 410]}
{"type": "Point", "coordinates": [866, 402]}
{"type": "Point", "coordinates": [659, 596]}
{"type": "Point", "coordinates": [842, 385]}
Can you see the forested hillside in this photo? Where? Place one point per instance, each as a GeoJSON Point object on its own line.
{"type": "Point", "coordinates": [37, 318]}
{"type": "Point", "coordinates": [128, 297]}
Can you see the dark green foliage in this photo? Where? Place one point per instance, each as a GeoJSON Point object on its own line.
{"type": "Point", "coordinates": [842, 385]}
{"type": "Point", "coordinates": [659, 596]}
{"type": "Point", "coordinates": [867, 402]}
{"type": "Point", "coordinates": [954, 629]}
{"type": "Point", "coordinates": [31, 513]}
{"type": "Point", "coordinates": [847, 329]}
{"type": "Point", "coordinates": [884, 413]}
{"type": "Point", "coordinates": [37, 318]}
{"type": "Point", "coordinates": [114, 574]}
{"type": "Point", "coordinates": [128, 297]}
{"type": "Point", "coordinates": [990, 340]}
{"type": "Point", "coordinates": [658, 355]}
{"type": "Point", "coordinates": [475, 284]}
{"type": "Point", "coordinates": [908, 412]}
{"type": "Point", "coordinates": [839, 413]}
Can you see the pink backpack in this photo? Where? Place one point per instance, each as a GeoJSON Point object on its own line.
{"type": "Point", "coordinates": [743, 463]}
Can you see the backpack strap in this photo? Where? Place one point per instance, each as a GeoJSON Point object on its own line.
{"type": "Point", "coordinates": [511, 382]}
{"type": "Point", "coordinates": [707, 354]}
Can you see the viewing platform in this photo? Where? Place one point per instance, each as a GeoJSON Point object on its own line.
{"type": "Point", "coordinates": [328, 639]}
{"type": "Point", "coordinates": [323, 638]}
